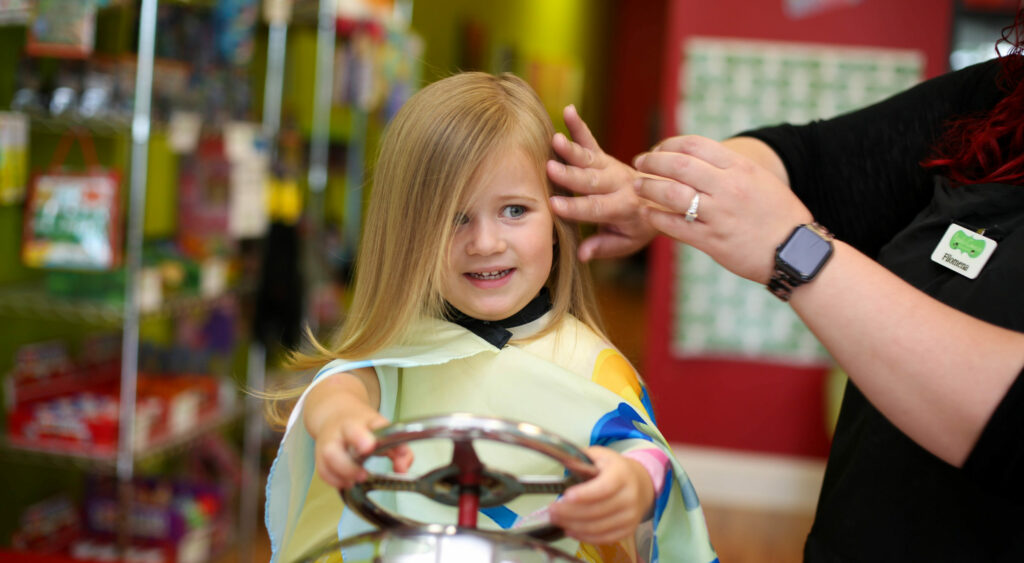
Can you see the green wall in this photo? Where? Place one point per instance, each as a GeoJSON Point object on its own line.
{"type": "Point", "coordinates": [568, 33]}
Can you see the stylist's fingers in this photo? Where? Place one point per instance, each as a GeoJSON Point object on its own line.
{"type": "Point", "coordinates": [703, 148]}
{"type": "Point", "coordinates": [672, 196]}
{"type": "Point", "coordinates": [675, 225]}
{"type": "Point", "coordinates": [682, 168]}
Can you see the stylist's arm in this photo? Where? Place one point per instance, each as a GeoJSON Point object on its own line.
{"type": "Point", "coordinates": [892, 340]}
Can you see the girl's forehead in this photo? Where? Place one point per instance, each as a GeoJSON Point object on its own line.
{"type": "Point", "coordinates": [509, 169]}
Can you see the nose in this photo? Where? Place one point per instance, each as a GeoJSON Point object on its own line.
{"type": "Point", "coordinates": [484, 238]}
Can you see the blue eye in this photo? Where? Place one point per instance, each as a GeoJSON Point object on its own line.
{"type": "Point", "coordinates": [461, 219]}
{"type": "Point", "coordinates": [514, 211]}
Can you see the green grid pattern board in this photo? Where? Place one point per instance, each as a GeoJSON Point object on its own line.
{"type": "Point", "coordinates": [729, 86]}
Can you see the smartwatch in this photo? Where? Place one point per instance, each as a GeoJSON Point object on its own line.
{"type": "Point", "coordinates": [799, 259]}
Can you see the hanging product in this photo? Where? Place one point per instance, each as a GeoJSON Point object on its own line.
{"type": "Point", "coordinates": [62, 29]}
{"type": "Point", "coordinates": [73, 219]}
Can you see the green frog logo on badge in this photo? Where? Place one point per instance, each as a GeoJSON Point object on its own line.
{"type": "Point", "coordinates": [967, 244]}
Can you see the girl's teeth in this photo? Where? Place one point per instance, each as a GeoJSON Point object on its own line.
{"type": "Point", "coordinates": [488, 275]}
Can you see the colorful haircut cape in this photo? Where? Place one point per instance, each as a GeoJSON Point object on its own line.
{"type": "Point", "coordinates": [568, 381]}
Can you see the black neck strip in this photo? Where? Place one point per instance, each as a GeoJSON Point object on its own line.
{"type": "Point", "coordinates": [496, 333]}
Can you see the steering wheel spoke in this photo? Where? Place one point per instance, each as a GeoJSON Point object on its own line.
{"type": "Point", "coordinates": [543, 485]}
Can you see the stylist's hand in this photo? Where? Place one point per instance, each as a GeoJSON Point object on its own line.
{"type": "Point", "coordinates": [608, 185]}
{"type": "Point", "coordinates": [744, 211]}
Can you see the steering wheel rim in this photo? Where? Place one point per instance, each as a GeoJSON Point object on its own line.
{"type": "Point", "coordinates": [490, 487]}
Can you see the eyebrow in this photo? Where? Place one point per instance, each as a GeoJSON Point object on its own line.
{"type": "Point", "coordinates": [518, 197]}
{"type": "Point", "coordinates": [506, 198]}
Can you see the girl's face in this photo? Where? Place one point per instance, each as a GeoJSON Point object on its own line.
{"type": "Point", "coordinates": [502, 249]}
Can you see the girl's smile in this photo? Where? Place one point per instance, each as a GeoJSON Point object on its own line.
{"type": "Point", "coordinates": [492, 279]}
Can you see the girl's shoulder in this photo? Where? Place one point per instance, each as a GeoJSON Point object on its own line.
{"type": "Point", "coordinates": [339, 365]}
{"type": "Point", "coordinates": [575, 346]}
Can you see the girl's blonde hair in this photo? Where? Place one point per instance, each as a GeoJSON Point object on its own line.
{"type": "Point", "coordinates": [428, 157]}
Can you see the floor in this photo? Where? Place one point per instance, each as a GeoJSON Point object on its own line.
{"type": "Point", "coordinates": [740, 534]}
{"type": "Point", "coordinates": [757, 536]}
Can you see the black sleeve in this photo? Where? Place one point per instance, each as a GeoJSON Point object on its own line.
{"type": "Point", "coordinates": [859, 172]}
{"type": "Point", "coordinates": [997, 460]}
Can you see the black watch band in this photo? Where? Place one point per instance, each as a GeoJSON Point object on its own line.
{"type": "Point", "coordinates": [782, 285]}
{"type": "Point", "coordinates": [799, 259]}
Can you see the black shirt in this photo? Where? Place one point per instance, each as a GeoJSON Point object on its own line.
{"type": "Point", "coordinates": [884, 498]}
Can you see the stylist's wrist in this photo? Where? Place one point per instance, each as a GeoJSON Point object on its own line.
{"type": "Point", "coordinates": [800, 258]}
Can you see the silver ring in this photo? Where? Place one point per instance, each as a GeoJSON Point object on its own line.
{"type": "Point", "coordinates": [691, 213]}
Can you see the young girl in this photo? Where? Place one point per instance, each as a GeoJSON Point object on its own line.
{"type": "Point", "coordinates": [469, 298]}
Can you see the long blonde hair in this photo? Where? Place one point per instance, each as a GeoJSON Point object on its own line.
{"type": "Point", "coordinates": [428, 158]}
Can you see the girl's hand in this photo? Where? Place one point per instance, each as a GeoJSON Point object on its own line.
{"type": "Point", "coordinates": [611, 202]}
{"type": "Point", "coordinates": [609, 507]}
{"type": "Point", "coordinates": [745, 211]}
{"type": "Point", "coordinates": [341, 422]}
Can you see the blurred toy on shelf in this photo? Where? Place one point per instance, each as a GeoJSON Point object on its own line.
{"type": "Point", "coordinates": [63, 407]}
{"type": "Point", "coordinates": [50, 526]}
{"type": "Point", "coordinates": [62, 29]}
{"type": "Point", "coordinates": [179, 519]}
{"type": "Point", "coordinates": [73, 218]}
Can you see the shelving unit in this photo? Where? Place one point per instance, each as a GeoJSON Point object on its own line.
{"type": "Point", "coordinates": [24, 297]}
{"type": "Point", "coordinates": [27, 300]}
{"type": "Point", "coordinates": [105, 462]}
{"type": "Point", "coordinates": [355, 123]}
{"type": "Point", "coordinates": [30, 301]}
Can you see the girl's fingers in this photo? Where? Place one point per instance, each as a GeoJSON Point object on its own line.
{"type": "Point", "coordinates": [338, 469]}
{"type": "Point", "coordinates": [605, 528]}
{"type": "Point", "coordinates": [594, 491]}
{"type": "Point", "coordinates": [401, 458]}
{"type": "Point", "coordinates": [359, 438]}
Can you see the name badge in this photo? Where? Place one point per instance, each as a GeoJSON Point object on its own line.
{"type": "Point", "coordinates": [964, 251]}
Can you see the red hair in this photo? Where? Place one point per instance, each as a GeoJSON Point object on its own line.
{"type": "Point", "coordinates": [989, 148]}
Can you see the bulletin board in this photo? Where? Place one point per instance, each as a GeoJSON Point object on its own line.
{"type": "Point", "coordinates": [731, 86]}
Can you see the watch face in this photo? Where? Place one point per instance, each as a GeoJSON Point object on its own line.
{"type": "Point", "coordinates": [805, 252]}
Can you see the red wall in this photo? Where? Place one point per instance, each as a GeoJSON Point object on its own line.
{"type": "Point", "coordinates": [734, 404]}
{"type": "Point", "coordinates": [637, 56]}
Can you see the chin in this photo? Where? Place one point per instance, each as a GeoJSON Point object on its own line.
{"type": "Point", "coordinates": [492, 316]}
{"type": "Point", "coordinates": [491, 313]}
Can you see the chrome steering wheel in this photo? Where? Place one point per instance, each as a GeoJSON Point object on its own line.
{"type": "Point", "coordinates": [467, 483]}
